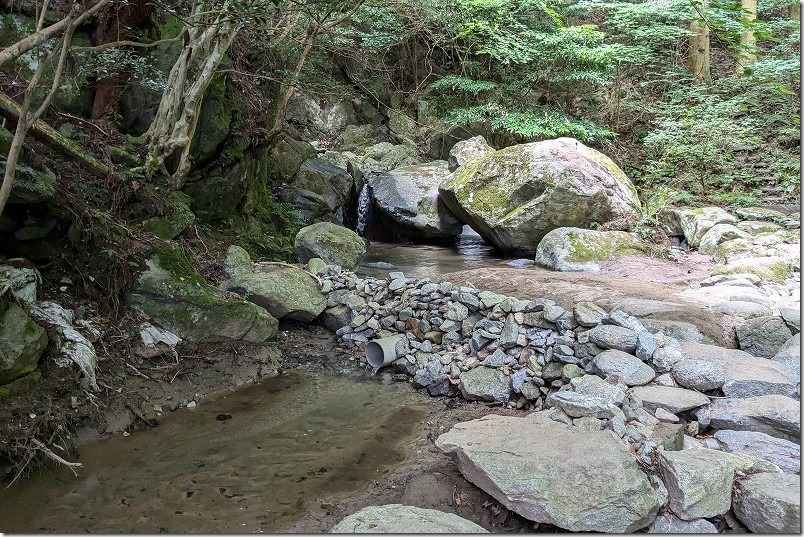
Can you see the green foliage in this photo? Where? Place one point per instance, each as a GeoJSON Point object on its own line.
{"type": "Point", "coordinates": [521, 67]}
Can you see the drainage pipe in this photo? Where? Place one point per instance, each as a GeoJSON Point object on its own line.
{"type": "Point", "coordinates": [383, 351]}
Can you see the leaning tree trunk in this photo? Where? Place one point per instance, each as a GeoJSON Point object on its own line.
{"type": "Point", "coordinates": [748, 41]}
{"type": "Point", "coordinates": [173, 127]}
{"type": "Point", "coordinates": [698, 55]}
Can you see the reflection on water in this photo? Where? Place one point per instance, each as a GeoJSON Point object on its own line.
{"type": "Point", "coordinates": [290, 440]}
{"type": "Point", "coordinates": [428, 261]}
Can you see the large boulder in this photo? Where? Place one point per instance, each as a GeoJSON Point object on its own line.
{"type": "Point", "coordinates": [465, 150]}
{"type": "Point", "coordinates": [407, 204]}
{"type": "Point", "coordinates": [769, 503]}
{"type": "Point", "coordinates": [320, 191]}
{"type": "Point", "coordinates": [769, 268]}
{"type": "Point", "coordinates": [397, 518]}
{"type": "Point", "coordinates": [570, 249]}
{"type": "Point", "coordinates": [672, 399]}
{"type": "Point", "coordinates": [335, 244]}
{"type": "Point", "coordinates": [513, 197]}
{"type": "Point", "coordinates": [284, 291]}
{"type": "Point", "coordinates": [552, 473]}
{"type": "Point", "coordinates": [790, 354]}
{"type": "Point", "coordinates": [485, 384]}
{"type": "Point", "coordinates": [178, 299]}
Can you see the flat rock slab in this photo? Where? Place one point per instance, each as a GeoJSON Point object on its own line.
{"type": "Point", "coordinates": [698, 482]}
{"type": "Point", "coordinates": [775, 415]}
{"type": "Point", "coordinates": [745, 375]}
{"type": "Point", "coordinates": [769, 503]}
{"type": "Point", "coordinates": [553, 473]}
{"type": "Point", "coordinates": [398, 518]}
{"type": "Point", "coordinates": [672, 399]}
{"type": "Point", "coordinates": [783, 453]}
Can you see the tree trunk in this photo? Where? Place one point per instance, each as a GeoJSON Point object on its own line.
{"type": "Point", "coordinates": [795, 12]}
{"type": "Point", "coordinates": [748, 41]}
{"type": "Point", "coordinates": [698, 55]}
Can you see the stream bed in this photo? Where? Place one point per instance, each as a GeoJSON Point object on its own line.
{"type": "Point", "coordinates": [252, 461]}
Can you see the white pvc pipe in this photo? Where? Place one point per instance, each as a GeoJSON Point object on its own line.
{"type": "Point", "coordinates": [383, 351]}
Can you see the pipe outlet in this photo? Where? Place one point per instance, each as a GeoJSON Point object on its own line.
{"type": "Point", "coordinates": [383, 351]}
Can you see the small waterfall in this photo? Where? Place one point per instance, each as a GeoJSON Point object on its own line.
{"type": "Point", "coordinates": [363, 210]}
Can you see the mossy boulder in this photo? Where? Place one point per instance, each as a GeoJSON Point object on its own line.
{"type": "Point", "coordinates": [407, 203]}
{"type": "Point", "coordinates": [569, 249]}
{"type": "Point", "coordinates": [175, 221]}
{"type": "Point", "coordinates": [284, 291]}
{"type": "Point", "coordinates": [720, 233]}
{"type": "Point", "coordinates": [771, 269]}
{"type": "Point", "coordinates": [515, 196]}
{"type": "Point", "coordinates": [31, 186]}
{"type": "Point", "coordinates": [334, 244]}
{"type": "Point", "coordinates": [694, 223]}
{"type": "Point", "coordinates": [22, 342]}
{"type": "Point", "coordinates": [177, 299]}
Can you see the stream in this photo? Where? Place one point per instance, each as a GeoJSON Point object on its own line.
{"type": "Point", "coordinates": [251, 461]}
{"type": "Point", "coordinates": [288, 442]}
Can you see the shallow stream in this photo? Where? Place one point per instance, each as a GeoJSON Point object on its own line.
{"type": "Point", "coordinates": [252, 461]}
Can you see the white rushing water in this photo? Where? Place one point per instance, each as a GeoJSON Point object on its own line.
{"type": "Point", "coordinates": [363, 210]}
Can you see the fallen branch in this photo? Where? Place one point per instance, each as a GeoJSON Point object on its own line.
{"type": "Point", "coordinates": [71, 465]}
{"type": "Point", "coordinates": [47, 134]}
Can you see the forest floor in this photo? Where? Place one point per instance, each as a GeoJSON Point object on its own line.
{"type": "Point", "coordinates": [136, 391]}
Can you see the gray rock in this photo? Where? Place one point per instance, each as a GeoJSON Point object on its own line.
{"type": "Point", "coordinates": [746, 375]}
{"type": "Point", "coordinates": [597, 387]}
{"type": "Point", "coordinates": [783, 453]}
{"type": "Point", "coordinates": [507, 457]}
{"type": "Point", "coordinates": [769, 503]}
{"type": "Point", "coordinates": [775, 415]}
{"type": "Point", "coordinates": [407, 203]}
{"type": "Point", "coordinates": [334, 244]}
{"type": "Point", "coordinates": [613, 337]}
{"type": "Point", "coordinates": [588, 314]}
{"type": "Point", "coordinates": [763, 336]}
{"type": "Point", "coordinates": [698, 482]}
{"type": "Point", "coordinates": [673, 400]}
{"type": "Point", "coordinates": [670, 523]}
{"type": "Point", "coordinates": [565, 184]}
{"type": "Point", "coordinates": [497, 359]}
{"type": "Point", "coordinates": [509, 333]}
{"type": "Point", "coordinates": [485, 384]}
{"type": "Point", "coordinates": [665, 357]}
{"type": "Point", "coordinates": [336, 317]}
{"type": "Point", "coordinates": [577, 405]}
{"type": "Point", "coordinates": [772, 269]}
{"type": "Point", "coordinates": [629, 368]}
{"type": "Point", "coordinates": [699, 375]}
{"type": "Point", "coordinates": [789, 354]}
{"type": "Point", "coordinates": [717, 234]}
{"type": "Point", "coordinates": [646, 346]}
{"type": "Point", "coordinates": [398, 518]}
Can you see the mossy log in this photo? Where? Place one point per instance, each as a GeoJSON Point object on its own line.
{"type": "Point", "coordinates": [47, 134]}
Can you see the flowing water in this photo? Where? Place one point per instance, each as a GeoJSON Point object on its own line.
{"type": "Point", "coordinates": [427, 261]}
{"type": "Point", "coordinates": [252, 461]}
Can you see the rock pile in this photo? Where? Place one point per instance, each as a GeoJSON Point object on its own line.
{"type": "Point", "coordinates": [587, 372]}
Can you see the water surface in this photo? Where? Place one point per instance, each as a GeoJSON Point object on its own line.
{"type": "Point", "coordinates": [290, 441]}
